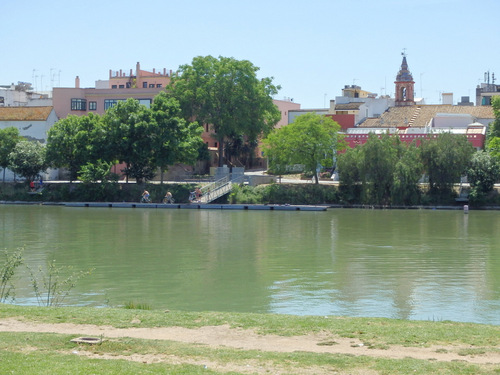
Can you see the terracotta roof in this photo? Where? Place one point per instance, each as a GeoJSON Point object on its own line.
{"type": "Point", "coordinates": [420, 115]}
{"type": "Point", "coordinates": [24, 113]}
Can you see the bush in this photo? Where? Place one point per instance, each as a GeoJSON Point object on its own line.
{"type": "Point", "coordinates": [245, 194]}
{"type": "Point", "coordinates": [285, 194]}
{"type": "Point", "coordinates": [7, 270]}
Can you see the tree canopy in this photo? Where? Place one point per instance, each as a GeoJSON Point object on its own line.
{"type": "Point", "coordinates": [383, 170]}
{"type": "Point", "coordinates": [142, 138]}
{"type": "Point", "coordinates": [28, 159]}
{"type": "Point", "coordinates": [175, 140]}
{"type": "Point", "coordinates": [226, 94]}
{"type": "Point", "coordinates": [311, 140]}
{"type": "Point", "coordinates": [74, 141]}
{"type": "Point", "coordinates": [9, 137]}
{"type": "Point", "coordinates": [445, 158]}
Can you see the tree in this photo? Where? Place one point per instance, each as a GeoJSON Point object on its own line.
{"type": "Point", "coordinates": [494, 128]}
{"type": "Point", "coordinates": [349, 167]}
{"type": "Point", "coordinates": [407, 172]}
{"type": "Point", "coordinates": [311, 140]}
{"type": "Point", "coordinates": [380, 155]}
{"type": "Point", "coordinates": [131, 131]}
{"type": "Point", "coordinates": [175, 140]}
{"type": "Point", "coordinates": [28, 159]}
{"type": "Point", "coordinates": [277, 152]}
{"type": "Point", "coordinates": [482, 173]}
{"type": "Point", "coordinates": [9, 137]}
{"type": "Point", "coordinates": [493, 135]}
{"type": "Point", "coordinates": [226, 94]}
{"type": "Point", "coordinates": [382, 171]}
{"type": "Point", "coordinates": [74, 141]}
{"type": "Point", "coordinates": [445, 159]}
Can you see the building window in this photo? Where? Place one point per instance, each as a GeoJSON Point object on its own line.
{"type": "Point", "coordinates": [78, 104]}
{"type": "Point", "coordinates": [144, 85]}
{"type": "Point", "coordinates": [129, 85]}
{"type": "Point", "coordinates": [158, 85]}
{"type": "Point", "coordinates": [151, 85]}
{"type": "Point", "coordinates": [146, 102]}
{"type": "Point", "coordinates": [108, 103]}
{"type": "Point", "coordinates": [92, 106]}
{"type": "Point", "coordinates": [121, 86]}
{"type": "Point", "coordinates": [114, 86]}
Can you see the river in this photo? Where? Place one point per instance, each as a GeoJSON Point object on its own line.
{"type": "Point", "coordinates": [403, 264]}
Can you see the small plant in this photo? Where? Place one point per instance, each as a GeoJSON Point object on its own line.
{"type": "Point", "coordinates": [7, 270]}
{"type": "Point", "coordinates": [50, 287]}
{"type": "Point", "coordinates": [131, 305]}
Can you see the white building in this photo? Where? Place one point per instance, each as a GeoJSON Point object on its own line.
{"type": "Point", "coordinates": [33, 124]}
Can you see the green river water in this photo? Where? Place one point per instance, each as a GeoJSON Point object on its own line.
{"type": "Point", "coordinates": [406, 264]}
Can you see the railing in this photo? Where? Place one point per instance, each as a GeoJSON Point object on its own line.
{"type": "Point", "coordinates": [214, 190]}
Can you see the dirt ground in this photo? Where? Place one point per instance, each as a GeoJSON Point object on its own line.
{"type": "Point", "coordinates": [224, 336]}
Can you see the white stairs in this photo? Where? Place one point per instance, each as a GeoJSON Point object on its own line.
{"type": "Point", "coordinates": [216, 189]}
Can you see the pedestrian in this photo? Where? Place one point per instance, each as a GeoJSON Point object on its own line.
{"type": "Point", "coordinates": [32, 185]}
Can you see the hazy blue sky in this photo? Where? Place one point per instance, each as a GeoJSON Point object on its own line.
{"type": "Point", "coordinates": [312, 48]}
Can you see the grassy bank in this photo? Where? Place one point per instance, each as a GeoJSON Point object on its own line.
{"type": "Point", "coordinates": [43, 353]}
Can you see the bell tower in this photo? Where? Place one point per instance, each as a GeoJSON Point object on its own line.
{"type": "Point", "coordinates": [404, 85]}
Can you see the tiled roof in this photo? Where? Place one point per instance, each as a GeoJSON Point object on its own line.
{"type": "Point", "coordinates": [24, 113]}
{"type": "Point", "coordinates": [420, 115]}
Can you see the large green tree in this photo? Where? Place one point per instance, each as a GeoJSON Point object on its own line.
{"type": "Point", "coordinates": [494, 127]}
{"type": "Point", "coordinates": [28, 159]}
{"type": "Point", "coordinates": [493, 135]}
{"type": "Point", "coordinates": [9, 137]}
{"type": "Point", "coordinates": [130, 128]}
{"type": "Point", "coordinates": [174, 139]}
{"type": "Point", "coordinates": [382, 171]}
{"type": "Point", "coordinates": [482, 174]}
{"type": "Point", "coordinates": [75, 141]}
{"type": "Point", "coordinates": [226, 94]}
{"type": "Point", "coordinates": [311, 140]}
{"type": "Point", "coordinates": [380, 157]}
{"type": "Point", "coordinates": [445, 159]}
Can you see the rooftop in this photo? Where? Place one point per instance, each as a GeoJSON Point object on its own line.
{"type": "Point", "coordinates": [420, 115]}
{"type": "Point", "coordinates": [24, 113]}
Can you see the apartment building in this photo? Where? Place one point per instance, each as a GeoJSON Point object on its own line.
{"type": "Point", "coordinates": [142, 85]}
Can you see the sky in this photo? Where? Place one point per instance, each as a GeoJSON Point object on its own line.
{"type": "Point", "coordinates": [312, 48]}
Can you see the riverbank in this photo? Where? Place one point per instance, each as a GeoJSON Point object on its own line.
{"type": "Point", "coordinates": [38, 340]}
{"type": "Point", "coordinates": [294, 192]}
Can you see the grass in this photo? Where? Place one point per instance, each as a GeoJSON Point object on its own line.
{"type": "Point", "coordinates": [132, 305]}
{"type": "Point", "coordinates": [42, 353]}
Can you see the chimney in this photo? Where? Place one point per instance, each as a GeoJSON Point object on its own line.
{"type": "Point", "coordinates": [77, 82]}
{"type": "Point", "coordinates": [110, 73]}
{"type": "Point", "coordinates": [332, 106]}
{"type": "Point", "coordinates": [137, 69]}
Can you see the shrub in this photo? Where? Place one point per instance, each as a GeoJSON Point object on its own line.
{"type": "Point", "coordinates": [7, 270]}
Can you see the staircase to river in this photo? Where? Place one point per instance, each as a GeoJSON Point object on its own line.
{"type": "Point", "coordinates": [220, 187]}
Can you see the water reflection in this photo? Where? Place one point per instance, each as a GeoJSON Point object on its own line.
{"type": "Point", "coordinates": [398, 264]}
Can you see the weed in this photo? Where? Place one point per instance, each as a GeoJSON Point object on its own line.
{"type": "Point", "coordinates": [131, 305]}
{"type": "Point", "coordinates": [49, 286]}
{"type": "Point", "coordinates": [7, 270]}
